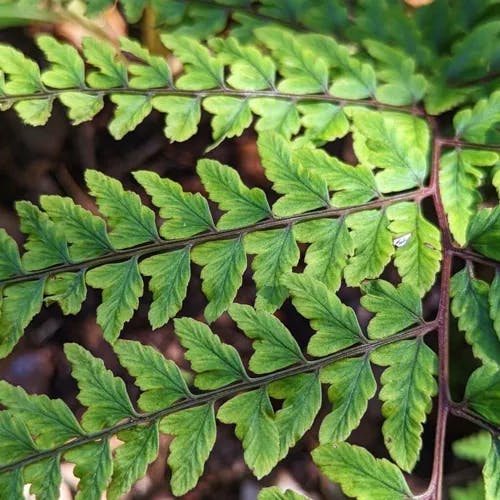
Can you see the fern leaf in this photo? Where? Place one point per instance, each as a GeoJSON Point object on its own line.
{"type": "Point", "coordinates": [274, 346]}
{"type": "Point", "coordinates": [464, 61]}
{"type": "Point", "coordinates": [441, 98]}
{"type": "Point", "coordinates": [10, 260]}
{"type": "Point", "coordinates": [353, 79]}
{"type": "Point", "coordinates": [130, 111]}
{"type": "Point", "coordinates": [93, 465]}
{"type": "Point", "coordinates": [418, 257]}
{"type": "Point", "coordinates": [68, 290]}
{"type": "Point", "coordinates": [394, 142]}
{"type": "Point", "coordinates": [459, 181]}
{"type": "Point", "coordinates": [474, 123]}
{"type": "Point", "coordinates": [183, 115]}
{"type": "Point", "coordinates": [23, 73]}
{"type": "Point", "coordinates": [330, 246]}
{"type": "Point", "coordinates": [303, 73]}
{"type": "Point", "coordinates": [16, 442]}
{"type": "Point", "coordinates": [224, 263]}
{"type": "Point", "coordinates": [411, 365]}
{"type": "Point", "coordinates": [34, 112]}
{"type": "Point", "coordinates": [160, 380]}
{"type": "Point", "coordinates": [323, 121]}
{"type": "Point", "coordinates": [81, 107]}
{"type": "Point", "coordinates": [482, 392]}
{"type": "Point", "coordinates": [353, 185]}
{"type": "Point", "coordinates": [231, 116]}
{"type": "Point", "coordinates": [255, 427]}
{"type": "Point", "coordinates": [46, 245]}
{"type": "Point", "coordinates": [11, 484]}
{"type": "Point", "coordinates": [359, 473]}
{"type": "Point", "coordinates": [186, 214]}
{"type": "Point", "coordinates": [336, 325]}
{"type": "Point", "coordinates": [352, 386]}
{"type": "Point", "coordinates": [131, 222]}
{"type": "Point", "coordinates": [277, 252]}
{"type": "Point", "coordinates": [303, 190]}
{"type": "Point", "coordinates": [250, 69]}
{"type": "Point", "coordinates": [168, 293]}
{"type": "Point", "coordinates": [44, 478]}
{"type": "Point", "coordinates": [67, 68]}
{"type": "Point", "coordinates": [470, 305]}
{"type": "Point", "coordinates": [154, 73]}
{"type": "Point", "coordinates": [276, 116]}
{"type": "Point", "coordinates": [243, 206]}
{"type": "Point", "coordinates": [373, 246]}
{"type": "Point", "coordinates": [402, 85]}
{"type": "Point", "coordinates": [216, 364]}
{"type": "Point", "coordinates": [85, 232]}
{"type": "Point", "coordinates": [194, 432]}
{"type": "Point", "coordinates": [103, 394]}
{"type": "Point", "coordinates": [301, 395]}
{"type": "Point", "coordinates": [110, 71]}
{"type": "Point", "coordinates": [202, 71]}
{"type": "Point", "coordinates": [21, 302]}
{"type": "Point", "coordinates": [139, 448]}
{"type": "Point", "coordinates": [483, 232]}
{"type": "Point", "coordinates": [48, 419]}
{"type": "Point", "coordinates": [122, 287]}
{"type": "Point", "coordinates": [394, 308]}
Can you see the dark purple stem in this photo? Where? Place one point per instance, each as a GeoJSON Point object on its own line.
{"type": "Point", "coordinates": [434, 490]}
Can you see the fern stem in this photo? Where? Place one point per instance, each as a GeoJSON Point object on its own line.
{"type": "Point", "coordinates": [468, 255]}
{"type": "Point", "coordinates": [461, 410]}
{"type": "Point", "coordinates": [434, 490]}
{"type": "Point", "coordinates": [457, 143]}
{"type": "Point", "coordinates": [170, 245]}
{"type": "Point", "coordinates": [225, 392]}
{"type": "Point", "coordinates": [164, 91]}
{"type": "Point", "coordinates": [436, 191]}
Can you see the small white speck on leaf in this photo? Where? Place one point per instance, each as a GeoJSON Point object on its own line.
{"type": "Point", "coordinates": [401, 241]}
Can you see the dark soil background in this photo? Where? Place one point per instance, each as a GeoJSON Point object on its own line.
{"type": "Point", "coordinates": [52, 160]}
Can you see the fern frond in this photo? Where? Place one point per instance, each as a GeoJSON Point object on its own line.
{"type": "Point", "coordinates": [36, 430]}
{"type": "Point", "coordinates": [136, 88]}
{"type": "Point", "coordinates": [400, 64]}
{"type": "Point", "coordinates": [69, 249]}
